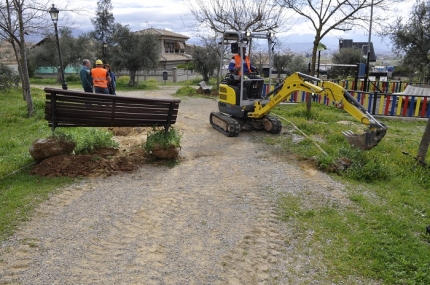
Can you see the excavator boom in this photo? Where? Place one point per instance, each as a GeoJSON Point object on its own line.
{"type": "Point", "coordinates": [341, 98]}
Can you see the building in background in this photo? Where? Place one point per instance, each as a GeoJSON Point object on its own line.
{"type": "Point", "coordinates": [363, 46]}
{"type": "Point", "coordinates": [173, 48]}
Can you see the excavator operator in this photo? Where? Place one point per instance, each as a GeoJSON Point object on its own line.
{"type": "Point", "coordinates": [252, 84]}
{"type": "Point", "coordinates": [235, 68]}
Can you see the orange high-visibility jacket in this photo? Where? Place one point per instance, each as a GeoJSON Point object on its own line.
{"type": "Point", "coordinates": [238, 61]}
{"type": "Point", "coordinates": [99, 75]}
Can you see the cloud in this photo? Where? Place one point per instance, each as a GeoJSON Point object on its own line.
{"type": "Point", "coordinates": [174, 16]}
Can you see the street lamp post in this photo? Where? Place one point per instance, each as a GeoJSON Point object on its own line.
{"type": "Point", "coordinates": [54, 17]}
{"type": "Point", "coordinates": [362, 52]}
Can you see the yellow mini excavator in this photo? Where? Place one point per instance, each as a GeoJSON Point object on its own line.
{"type": "Point", "coordinates": [241, 105]}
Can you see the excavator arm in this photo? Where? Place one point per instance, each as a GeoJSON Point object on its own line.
{"type": "Point", "coordinates": [341, 98]}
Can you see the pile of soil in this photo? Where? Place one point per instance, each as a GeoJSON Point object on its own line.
{"type": "Point", "coordinates": [128, 157]}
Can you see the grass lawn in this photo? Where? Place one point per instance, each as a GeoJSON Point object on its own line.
{"type": "Point", "coordinates": [378, 235]}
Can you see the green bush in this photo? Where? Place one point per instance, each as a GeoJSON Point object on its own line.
{"type": "Point", "coordinates": [158, 136]}
{"type": "Point", "coordinates": [186, 90]}
{"type": "Point", "coordinates": [8, 77]}
{"type": "Point", "coordinates": [189, 66]}
{"type": "Point", "coordinates": [73, 78]}
{"type": "Point", "coordinates": [87, 139]}
{"type": "Point", "coordinates": [122, 80]}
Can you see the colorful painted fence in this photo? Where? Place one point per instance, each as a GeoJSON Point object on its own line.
{"type": "Point", "coordinates": [384, 104]}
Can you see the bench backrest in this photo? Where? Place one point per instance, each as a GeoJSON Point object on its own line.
{"type": "Point", "coordinates": [66, 108]}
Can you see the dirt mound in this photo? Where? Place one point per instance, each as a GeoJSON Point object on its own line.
{"type": "Point", "coordinates": [128, 157]}
{"type": "Point", "coordinates": [91, 164]}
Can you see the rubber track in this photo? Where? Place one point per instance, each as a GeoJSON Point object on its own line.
{"type": "Point", "coordinates": [234, 127]}
{"type": "Point", "coordinates": [276, 125]}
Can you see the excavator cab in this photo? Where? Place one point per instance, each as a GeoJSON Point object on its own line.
{"type": "Point", "coordinates": [238, 92]}
{"type": "Point", "coordinates": [252, 87]}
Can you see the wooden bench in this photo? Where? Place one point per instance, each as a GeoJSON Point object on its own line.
{"type": "Point", "coordinates": [67, 108]}
{"type": "Point", "coordinates": [206, 89]}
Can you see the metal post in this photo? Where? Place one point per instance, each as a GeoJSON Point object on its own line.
{"type": "Point", "coordinates": [54, 16]}
{"type": "Point", "coordinates": [64, 84]}
{"type": "Point", "coordinates": [366, 78]}
{"type": "Point", "coordinates": [318, 70]}
{"type": "Point", "coordinates": [104, 51]}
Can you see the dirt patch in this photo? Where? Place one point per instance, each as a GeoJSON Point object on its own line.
{"type": "Point", "coordinates": [128, 157]}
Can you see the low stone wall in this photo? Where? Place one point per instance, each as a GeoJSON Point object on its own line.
{"type": "Point", "coordinates": [173, 75]}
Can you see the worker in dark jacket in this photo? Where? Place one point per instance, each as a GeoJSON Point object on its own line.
{"type": "Point", "coordinates": [86, 78]}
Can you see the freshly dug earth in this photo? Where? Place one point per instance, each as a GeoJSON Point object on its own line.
{"type": "Point", "coordinates": [107, 161]}
{"type": "Point", "coordinates": [211, 220]}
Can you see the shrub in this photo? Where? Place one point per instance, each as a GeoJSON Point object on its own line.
{"type": "Point", "coordinates": [73, 78]}
{"type": "Point", "coordinates": [8, 77]}
{"type": "Point", "coordinates": [88, 139]}
{"type": "Point", "coordinates": [157, 136]}
{"type": "Point", "coordinates": [162, 144]}
{"type": "Point", "coordinates": [186, 90]}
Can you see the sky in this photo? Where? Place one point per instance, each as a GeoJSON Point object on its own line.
{"type": "Point", "coordinates": [174, 15]}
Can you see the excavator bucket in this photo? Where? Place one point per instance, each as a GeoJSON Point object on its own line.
{"type": "Point", "coordinates": [365, 141]}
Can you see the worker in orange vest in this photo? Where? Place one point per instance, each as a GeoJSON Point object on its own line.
{"type": "Point", "coordinates": [101, 78]}
{"type": "Point", "coordinates": [235, 68]}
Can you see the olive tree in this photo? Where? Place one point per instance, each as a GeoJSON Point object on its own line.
{"type": "Point", "coordinates": [73, 51]}
{"type": "Point", "coordinates": [297, 64]}
{"type": "Point", "coordinates": [206, 61]}
{"type": "Point", "coordinates": [8, 77]}
{"type": "Point", "coordinates": [350, 56]}
{"type": "Point", "coordinates": [281, 62]}
{"type": "Point", "coordinates": [134, 51]}
{"type": "Point", "coordinates": [412, 38]}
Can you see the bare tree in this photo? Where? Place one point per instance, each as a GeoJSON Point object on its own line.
{"type": "Point", "coordinates": [244, 15]}
{"type": "Point", "coordinates": [260, 58]}
{"type": "Point", "coordinates": [326, 16]}
{"type": "Point", "coordinates": [18, 19]}
{"type": "Point", "coordinates": [14, 20]}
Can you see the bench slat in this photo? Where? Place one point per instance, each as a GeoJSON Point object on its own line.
{"type": "Point", "coordinates": [60, 108]}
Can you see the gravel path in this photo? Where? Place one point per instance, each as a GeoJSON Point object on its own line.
{"type": "Point", "coordinates": [209, 220]}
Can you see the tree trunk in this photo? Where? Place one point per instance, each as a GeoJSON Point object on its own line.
{"type": "Point", "coordinates": [18, 60]}
{"type": "Point", "coordinates": [59, 76]}
{"type": "Point", "coordinates": [132, 81]}
{"type": "Point", "coordinates": [424, 144]}
{"type": "Point", "coordinates": [314, 58]}
{"type": "Point", "coordinates": [24, 68]}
